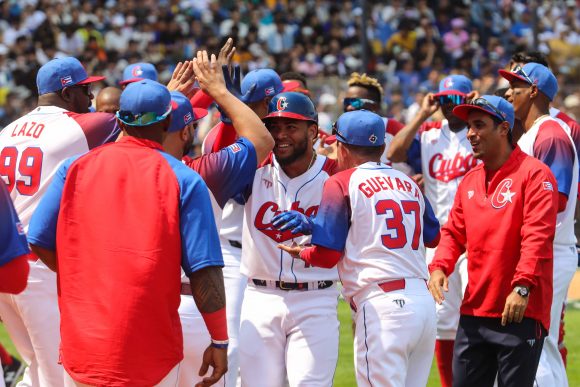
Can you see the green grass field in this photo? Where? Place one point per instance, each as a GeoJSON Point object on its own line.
{"type": "Point", "coordinates": [344, 376]}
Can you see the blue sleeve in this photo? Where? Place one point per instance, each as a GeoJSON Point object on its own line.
{"type": "Point", "coordinates": [414, 155]}
{"type": "Point", "coordinates": [332, 221]}
{"type": "Point", "coordinates": [555, 149]}
{"type": "Point", "coordinates": [228, 171]}
{"type": "Point", "coordinates": [12, 238]}
{"type": "Point", "coordinates": [42, 227]}
{"type": "Point", "coordinates": [431, 225]}
{"type": "Point", "coordinates": [200, 246]}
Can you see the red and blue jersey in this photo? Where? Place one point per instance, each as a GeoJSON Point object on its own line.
{"type": "Point", "coordinates": [123, 220]}
{"type": "Point", "coordinates": [572, 124]}
{"type": "Point", "coordinates": [12, 238]}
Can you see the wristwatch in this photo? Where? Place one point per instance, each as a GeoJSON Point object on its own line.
{"type": "Point", "coordinates": [523, 291]}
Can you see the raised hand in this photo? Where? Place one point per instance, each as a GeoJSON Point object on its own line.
{"type": "Point", "coordinates": [208, 74]}
{"type": "Point", "coordinates": [182, 79]}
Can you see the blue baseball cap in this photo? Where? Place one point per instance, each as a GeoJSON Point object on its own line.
{"type": "Point", "coordinates": [259, 84]}
{"type": "Point", "coordinates": [183, 113]}
{"type": "Point", "coordinates": [360, 127]}
{"type": "Point", "coordinates": [144, 102]}
{"type": "Point", "coordinates": [138, 71]}
{"type": "Point", "coordinates": [455, 85]}
{"type": "Point", "coordinates": [64, 72]}
{"type": "Point", "coordinates": [490, 104]}
{"type": "Point", "coordinates": [534, 74]}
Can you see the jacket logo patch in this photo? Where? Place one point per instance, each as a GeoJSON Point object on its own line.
{"type": "Point", "coordinates": [470, 194]}
{"type": "Point", "coordinates": [502, 194]}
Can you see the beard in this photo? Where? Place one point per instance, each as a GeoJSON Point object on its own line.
{"type": "Point", "coordinates": [300, 149]}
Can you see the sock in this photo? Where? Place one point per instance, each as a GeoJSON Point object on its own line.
{"type": "Point", "coordinates": [5, 356]}
{"type": "Point", "coordinates": [444, 355]}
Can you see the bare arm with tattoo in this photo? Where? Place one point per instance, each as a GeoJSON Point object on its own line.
{"type": "Point", "coordinates": [207, 287]}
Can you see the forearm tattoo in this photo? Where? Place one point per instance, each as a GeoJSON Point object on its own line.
{"type": "Point", "coordinates": [207, 287]}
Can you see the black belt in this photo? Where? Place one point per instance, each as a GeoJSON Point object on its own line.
{"type": "Point", "coordinates": [235, 244]}
{"type": "Point", "coordinates": [283, 285]}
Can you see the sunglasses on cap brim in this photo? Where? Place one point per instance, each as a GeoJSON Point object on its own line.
{"type": "Point", "coordinates": [483, 103]}
{"type": "Point", "coordinates": [336, 132]}
{"type": "Point", "coordinates": [143, 119]}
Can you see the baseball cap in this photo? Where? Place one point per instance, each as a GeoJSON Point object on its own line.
{"type": "Point", "coordinates": [294, 86]}
{"type": "Point", "coordinates": [183, 113]}
{"type": "Point", "coordinates": [455, 85]}
{"type": "Point", "coordinates": [293, 105]}
{"type": "Point", "coordinates": [490, 104]}
{"type": "Point", "coordinates": [144, 102]}
{"type": "Point", "coordinates": [64, 72]}
{"type": "Point", "coordinates": [267, 84]}
{"type": "Point", "coordinates": [137, 71]}
{"type": "Point", "coordinates": [360, 127]}
{"type": "Point", "coordinates": [534, 74]}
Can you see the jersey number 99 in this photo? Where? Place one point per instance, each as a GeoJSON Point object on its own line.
{"type": "Point", "coordinates": [395, 222]}
{"type": "Point", "coordinates": [28, 166]}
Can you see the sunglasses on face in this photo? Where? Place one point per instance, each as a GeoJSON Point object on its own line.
{"type": "Point", "coordinates": [357, 103]}
{"type": "Point", "coordinates": [482, 102]}
{"type": "Point", "coordinates": [142, 119]}
{"type": "Point", "coordinates": [451, 99]}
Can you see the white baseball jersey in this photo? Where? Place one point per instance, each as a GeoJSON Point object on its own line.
{"type": "Point", "coordinates": [446, 156]}
{"type": "Point", "coordinates": [378, 217]}
{"type": "Point", "coordinates": [32, 148]}
{"type": "Point", "coordinates": [549, 140]}
{"type": "Point", "coordinates": [274, 192]}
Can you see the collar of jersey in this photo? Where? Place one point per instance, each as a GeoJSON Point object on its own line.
{"type": "Point", "coordinates": [140, 141]}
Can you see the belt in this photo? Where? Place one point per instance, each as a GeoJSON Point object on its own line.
{"type": "Point", "coordinates": [283, 285]}
{"type": "Point", "coordinates": [235, 244]}
{"type": "Point", "coordinates": [186, 289]}
{"type": "Point", "coordinates": [386, 287]}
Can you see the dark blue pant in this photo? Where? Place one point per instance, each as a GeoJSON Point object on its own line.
{"type": "Point", "coordinates": [484, 349]}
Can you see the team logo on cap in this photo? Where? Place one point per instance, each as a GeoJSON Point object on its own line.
{"type": "Point", "coordinates": [65, 81]}
{"type": "Point", "coordinates": [136, 71]}
{"type": "Point", "coordinates": [269, 90]}
{"type": "Point", "coordinates": [447, 83]}
{"type": "Point", "coordinates": [373, 138]}
{"type": "Point", "coordinates": [187, 118]}
{"type": "Point", "coordinates": [282, 104]}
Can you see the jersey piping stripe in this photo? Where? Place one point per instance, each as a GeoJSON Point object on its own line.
{"type": "Point", "coordinates": [366, 346]}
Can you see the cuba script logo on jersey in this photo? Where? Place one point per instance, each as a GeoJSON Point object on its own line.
{"type": "Point", "coordinates": [445, 170]}
{"type": "Point", "coordinates": [268, 210]}
{"type": "Point", "coordinates": [502, 194]}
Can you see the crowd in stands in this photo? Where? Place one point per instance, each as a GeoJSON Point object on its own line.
{"type": "Point", "coordinates": [411, 44]}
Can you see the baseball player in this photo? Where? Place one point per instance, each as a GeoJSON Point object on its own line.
{"type": "Point", "coordinates": [504, 214]}
{"type": "Point", "coordinates": [445, 157]}
{"type": "Point", "coordinates": [107, 100]}
{"type": "Point", "coordinates": [225, 172]}
{"type": "Point", "coordinates": [289, 324]}
{"type": "Point", "coordinates": [256, 89]}
{"type": "Point", "coordinates": [381, 265]}
{"type": "Point", "coordinates": [107, 334]}
{"type": "Point", "coordinates": [31, 150]}
{"type": "Point", "coordinates": [532, 88]}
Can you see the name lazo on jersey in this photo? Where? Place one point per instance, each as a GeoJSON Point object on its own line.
{"type": "Point", "coordinates": [447, 169]}
{"type": "Point", "coordinates": [268, 210]}
{"type": "Point", "coordinates": [381, 183]}
{"type": "Point", "coordinates": [28, 129]}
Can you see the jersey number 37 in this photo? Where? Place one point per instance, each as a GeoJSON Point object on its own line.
{"type": "Point", "coordinates": [28, 164]}
{"type": "Point", "coordinates": [395, 222]}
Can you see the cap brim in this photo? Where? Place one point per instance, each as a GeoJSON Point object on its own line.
{"type": "Point", "coordinates": [512, 76]}
{"type": "Point", "coordinates": [127, 81]}
{"type": "Point", "coordinates": [330, 140]}
{"type": "Point", "coordinates": [199, 113]}
{"type": "Point", "coordinates": [288, 115]}
{"type": "Point", "coordinates": [91, 80]}
{"type": "Point", "coordinates": [462, 111]}
{"type": "Point", "coordinates": [450, 92]}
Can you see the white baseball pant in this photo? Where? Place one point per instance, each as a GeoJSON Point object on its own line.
{"type": "Point", "coordinates": [448, 311]}
{"type": "Point", "coordinates": [170, 380]}
{"type": "Point", "coordinates": [395, 335]}
{"type": "Point", "coordinates": [551, 370]}
{"type": "Point", "coordinates": [32, 320]}
{"type": "Point", "coordinates": [291, 334]}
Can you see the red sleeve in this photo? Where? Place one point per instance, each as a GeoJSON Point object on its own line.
{"type": "Point", "coordinates": [428, 125]}
{"type": "Point", "coordinates": [99, 128]}
{"type": "Point", "coordinates": [453, 239]}
{"type": "Point", "coordinates": [393, 126]}
{"type": "Point", "coordinates": [538, 228]}
{"type": "Point", "coordinates": [201, 100]}
{"type": "Point", "coordinates": [321, 256]}
{"type": "Point", "coordinates": [219, 137]}
{"type": "Point", "coordinates": [14, 275]}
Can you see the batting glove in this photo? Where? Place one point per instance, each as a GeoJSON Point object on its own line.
{"type": "Point", "coordinates": [295, 221]}
{"type": "Point", "coordinates": [234, 86]}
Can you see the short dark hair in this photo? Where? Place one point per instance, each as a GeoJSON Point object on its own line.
{"type": "Point", "coordinates": [366, 151]}
{"type": "Point", "coordinates": [289, 75]}
{"type": "Point", "coordinates": [530, 57]}
{"type": "Point", "coordinates": [501, 92]}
